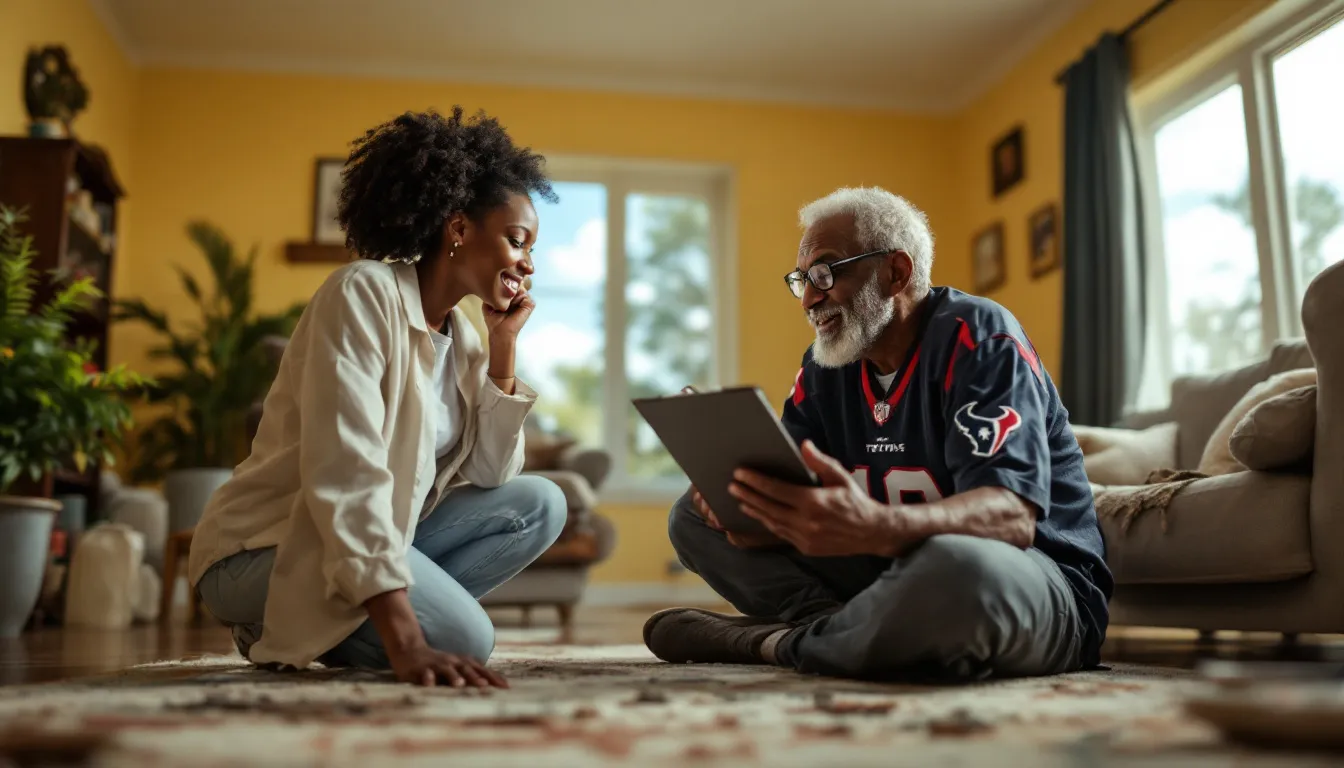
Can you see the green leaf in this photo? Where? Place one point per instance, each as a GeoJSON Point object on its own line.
{"type": "Point", "coordinates": [189, 283]}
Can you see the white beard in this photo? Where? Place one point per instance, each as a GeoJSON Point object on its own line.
{"type": "Point", "coordinates": [861, 323]}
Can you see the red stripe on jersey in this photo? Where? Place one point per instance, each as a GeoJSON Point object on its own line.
{"type": "Point", "coordinates": [797, 393]}
{"type": "Point", "coordinates": [1027, 353]}
{"type": "Point", "coordinates": [895, 395]}
{"type": "Point", "coordinates": [963, 340]}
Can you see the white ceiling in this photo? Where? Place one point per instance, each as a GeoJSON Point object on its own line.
{"type": "Point", "coordinates": [917, 55]}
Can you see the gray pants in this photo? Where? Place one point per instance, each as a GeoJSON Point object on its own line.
{"type": "Point", "coordinates": [957, 608]}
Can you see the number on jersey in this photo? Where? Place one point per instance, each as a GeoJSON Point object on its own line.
{"type": "Point", "coordinates": [901, 485]}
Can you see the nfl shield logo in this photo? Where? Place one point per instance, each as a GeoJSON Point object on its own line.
{"type": "Point", "coordinates": [882, 411]}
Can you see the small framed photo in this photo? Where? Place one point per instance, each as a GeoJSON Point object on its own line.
{"type": "Point", "coordinates": [1007, 161]}
{"type": "Point", "coordinates": [326, 196]}
{"type": "Point", "coordinates": [987, 265]}
{"type": "Point", "coordinates": [1043, 230]}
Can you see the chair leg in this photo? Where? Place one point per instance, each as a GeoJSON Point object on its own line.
{"type": "Point", "coordinates": [527, 617]}
{"type": "Point", "coordinates": [1207, 636]}
{"type": "Point", "coordinates": [566, 611]}
{"type": "Point", "coordinates": [193, 605]}
{"type": "Point", "coordinates": [169, 582]}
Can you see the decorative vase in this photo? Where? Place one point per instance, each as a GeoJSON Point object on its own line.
{"type": "Point", "coordinates": [188, 491]}
{"type": "Point", "coordinates": [25, 541]}
{"type": "Point", "coordinates": [102, 589]}
{"type": "Point", "coordinates": [47, 128]}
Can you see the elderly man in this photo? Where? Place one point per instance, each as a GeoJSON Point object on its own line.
{"type": "Point", "coordinates": [953, 536]}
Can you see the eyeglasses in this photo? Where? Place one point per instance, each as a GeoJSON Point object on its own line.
{"type": "Point", "coordinates": [822, 275]}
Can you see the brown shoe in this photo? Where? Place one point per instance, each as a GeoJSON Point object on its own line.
{"type": "Point", "coordinates": [695, 636]}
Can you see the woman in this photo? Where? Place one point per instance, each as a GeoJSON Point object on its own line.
{"type": "Point", "coordinates": [382, 496]}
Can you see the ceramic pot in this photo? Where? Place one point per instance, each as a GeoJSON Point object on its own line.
{"type": "Point", "coordinates": [188, 491]}
{"type": "Point", "coordinates": [25, 541]}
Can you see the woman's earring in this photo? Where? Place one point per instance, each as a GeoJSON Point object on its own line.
{"type": "Point", "coordinates": [453, 252]}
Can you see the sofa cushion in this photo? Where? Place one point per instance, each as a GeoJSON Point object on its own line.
{"type": "Point", "coordinates": [1126, 456]}
{"type": "Point", "coordinates": [1279, 433]}
{"type": "Point", "coordinates": [1234, 529]}
{"type": "Point", "coordinates": [1289, 355]}
{"type": "Point", "coordinates": [1199, 403]}
{"type": "Point", "coordinates": [1217, 458]}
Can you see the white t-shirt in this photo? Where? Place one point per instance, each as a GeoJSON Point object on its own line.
{"type": "Point", "coordinates": [447, 407]}
{"type": "Point", "coordinates": [886, 379]}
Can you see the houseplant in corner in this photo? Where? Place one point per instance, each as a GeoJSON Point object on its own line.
{"type": "Point", "coordinates": [219, 367]}
{"type": "Point", "coordinates": [56, 410]}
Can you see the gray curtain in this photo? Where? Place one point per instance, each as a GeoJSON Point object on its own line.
{"type": "Point", "coordinates": [1103, 240]}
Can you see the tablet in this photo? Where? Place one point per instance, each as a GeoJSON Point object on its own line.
{"type": "Point", "coordinates": [711, 434]}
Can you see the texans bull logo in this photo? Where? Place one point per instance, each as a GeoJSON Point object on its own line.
{"type": "Point", "coordinates": [987, 435]}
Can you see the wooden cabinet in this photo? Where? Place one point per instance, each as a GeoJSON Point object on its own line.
{"type": "Point", "coordinates": [70, 195]}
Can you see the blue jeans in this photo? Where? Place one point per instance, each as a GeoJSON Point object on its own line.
{"type": "Point", "coordinates": [474, 541]}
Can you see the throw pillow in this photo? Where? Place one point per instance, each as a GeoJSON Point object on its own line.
{"type": "Point", "coordinates": [1279, 433]}
{"type": "Point", "coordinates": [1218, 458]}
{"type": "Point", "coordinates": [1125, 456]}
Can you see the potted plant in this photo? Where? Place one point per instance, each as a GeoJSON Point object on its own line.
{"type": "Point", "coordinates": [56, 410]}
{"type": "Point", "coordinates": [221, 366]}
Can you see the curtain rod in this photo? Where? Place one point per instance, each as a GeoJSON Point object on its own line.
{"type": "Point", "coordinates": [1133, 27]}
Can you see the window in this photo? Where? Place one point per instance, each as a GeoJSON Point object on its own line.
{"type": "Point", "coordinates": [1310, 121]}
{"type": "Point", "coordinates": [632, 281]}
{"type": "Point", "coordinates": [1245, 178]}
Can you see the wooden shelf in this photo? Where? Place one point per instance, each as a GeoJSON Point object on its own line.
{"type": "Point", "coordinates": [36, 175]}
{"type": "Point", "coordinates": [93, 240]}
{"type": "Point", "coordinates": [317, 253]}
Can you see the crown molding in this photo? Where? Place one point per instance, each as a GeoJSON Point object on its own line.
{"type": "Point", "coordinates": [954, 101]}
{"type": "Point", "coordinates": [1004, 64]}
{"type": "Point", "coordinates": [542, 78]}
{"type": "Point", "coordinates": [103, 10]}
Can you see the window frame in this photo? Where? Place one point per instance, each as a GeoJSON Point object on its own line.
{"type": "Point", "coordinates": [622, 177]}
{"type": "Point", "coordinates": [1250, 65]}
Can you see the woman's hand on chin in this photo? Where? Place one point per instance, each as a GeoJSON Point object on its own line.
{"type": "Point", "coordinates": [504, 326]}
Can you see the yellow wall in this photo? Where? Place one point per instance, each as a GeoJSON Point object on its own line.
{"type": "Point", "coordinates": [111, 80]}
{"type": "Point", "coordinates": [239, 149]}
{"type": "Point", "coordinates": [1028, 96]}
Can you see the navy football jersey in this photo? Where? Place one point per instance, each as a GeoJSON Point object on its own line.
{"type": "Point", "coordinates": [970, 407]}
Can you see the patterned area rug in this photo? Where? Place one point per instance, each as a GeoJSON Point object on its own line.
{"type": "Point", "coordinates": [600, 705]}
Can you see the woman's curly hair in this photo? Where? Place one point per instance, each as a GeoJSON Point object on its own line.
{"type": "Point", "coordinates": [404, 178]}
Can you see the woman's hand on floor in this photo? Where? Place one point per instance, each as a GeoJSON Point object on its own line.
{"type": "Point", "coordinates": [413, 660]}
{"type": "Point", "coordinates": [425, 666]}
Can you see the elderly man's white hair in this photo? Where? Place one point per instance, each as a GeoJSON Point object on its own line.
{"type": "Point", "coordinates": [883, 222]}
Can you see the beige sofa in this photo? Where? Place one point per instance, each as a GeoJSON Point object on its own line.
{"type": "Point", "coordinates": [1250, 551]}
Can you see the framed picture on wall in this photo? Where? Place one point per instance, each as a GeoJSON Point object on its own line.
{"type": "Point", "coordinates": [987, 261]}
{"type": "Point", "coordinates": [1007, 162]}
{"type": "Point", "coordinates": [326, 195]}
{"type": "Point", "coordinates": [1043, 231]}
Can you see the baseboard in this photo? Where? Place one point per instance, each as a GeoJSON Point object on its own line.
{"type": "Point", "coordinates": [650, 594]}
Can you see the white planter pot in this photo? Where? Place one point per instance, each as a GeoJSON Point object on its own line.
{"type": "Point", "coordinates": [188, 491]}
{"type": "Point", "coordinates": [25, 541]}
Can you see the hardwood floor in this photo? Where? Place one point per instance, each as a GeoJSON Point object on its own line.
{"type": "Point", "coordinates": [53, 653]}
